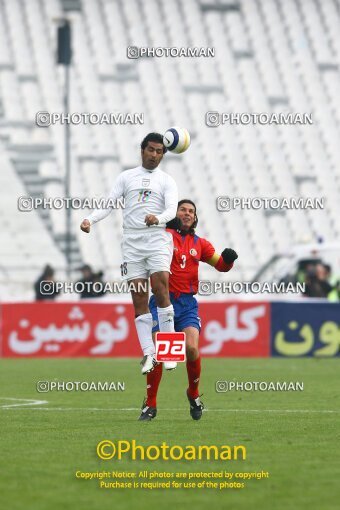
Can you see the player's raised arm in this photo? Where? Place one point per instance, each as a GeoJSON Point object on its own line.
{"type": "Point", "coordinates": [223, 262]}
{"type": "Point", "coordinates": [99, 214]}
{"type": "Point", "coordinates": [171, 201]}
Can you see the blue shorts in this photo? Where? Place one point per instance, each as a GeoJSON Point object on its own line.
{"type": "Point", "coordinates": [186, 312]}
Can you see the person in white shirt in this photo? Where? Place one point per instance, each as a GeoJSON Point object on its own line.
{"type": "Point", "coordinates": [151, 199]}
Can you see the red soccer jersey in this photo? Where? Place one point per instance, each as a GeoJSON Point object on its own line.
{"type": "Point", "coordinates": [189, 251]}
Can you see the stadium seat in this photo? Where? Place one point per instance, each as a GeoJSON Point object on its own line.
{"type": "Point", "coordinates": [274, 59]}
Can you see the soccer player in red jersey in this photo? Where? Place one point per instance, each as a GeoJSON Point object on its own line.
{"type": "Point", "coordinates": [189, 251]}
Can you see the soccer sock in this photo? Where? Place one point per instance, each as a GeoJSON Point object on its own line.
{"type": "Point", "coordinates": [166, 318]}
{"type": "Point", "coordinates": [194, 372]}
{"type": "Point", "coordinates": [144, 332]}
{"type": "Point", "coordinates": [153, 379]}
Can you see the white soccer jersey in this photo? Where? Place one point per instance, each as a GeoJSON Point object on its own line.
{"type": "Point", "coordinates": [145, 192]}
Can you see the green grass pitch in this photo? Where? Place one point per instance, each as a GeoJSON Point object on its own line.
{"type": "Point", "coordinates": [292, 435]}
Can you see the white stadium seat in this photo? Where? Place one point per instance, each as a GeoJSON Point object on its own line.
{"type": "Point", "coordinates": [270, 57]}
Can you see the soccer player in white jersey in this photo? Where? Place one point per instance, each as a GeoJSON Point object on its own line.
{"type": "Point", "coordinates": [151, 199]}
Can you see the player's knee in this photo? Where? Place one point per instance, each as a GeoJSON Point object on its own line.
{"type": "Point", "coordinates": [161, 293]}
{"type": "Point", "coordinates": [139, 297]}
{"type": "Point", "coordinates": [140, 302]}
{"type": "Point", "coordinates": [192, 352]}
{"type": "Point", "coordinates": [160, 287]}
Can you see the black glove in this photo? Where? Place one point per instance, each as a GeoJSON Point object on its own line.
{"type": "Point", "coordinates": [229, 255]}
{"type": "Point", "coordinates": [174, 224]}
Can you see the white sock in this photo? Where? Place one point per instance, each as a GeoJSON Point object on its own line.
{"type": "Point", "coordinates": [166, 319]}
{"type": "Point", "coordinates": [144, 332]}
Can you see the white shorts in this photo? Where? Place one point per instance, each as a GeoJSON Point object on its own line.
{"type": "Point", "coordinates": [146, 253]}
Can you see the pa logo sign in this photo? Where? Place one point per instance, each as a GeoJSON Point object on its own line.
{"type": "Point", "coordinates": [170, 346]}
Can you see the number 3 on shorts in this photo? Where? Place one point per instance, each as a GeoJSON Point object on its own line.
{"type": "Point", "coordinates": [123, 269]}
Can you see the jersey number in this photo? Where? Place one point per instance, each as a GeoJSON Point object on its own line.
{"type": "Point", "coordinates": [123, 269]}
{"type": "Point", "coordinates": [144, 195]}
{"type": "Point", "coordinates": [184, 259]}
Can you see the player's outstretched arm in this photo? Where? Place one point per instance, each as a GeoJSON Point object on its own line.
{"type": "Point", "coordinates": [222, 263]}
{"type": "Point", "coordinates": [225, 261]}
{"type": "Point", "coordinates": [99, 214]}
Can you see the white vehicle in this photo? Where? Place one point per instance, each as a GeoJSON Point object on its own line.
{"type": "Point", "coordinates": [286, 266]}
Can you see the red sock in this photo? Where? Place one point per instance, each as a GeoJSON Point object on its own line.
{"type": "Point", "coordinates": [153, 379]}
{"type": "Point", "coordinates": [194, 372]}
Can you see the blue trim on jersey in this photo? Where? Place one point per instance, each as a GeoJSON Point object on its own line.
{"type": "Point", "coordinates": [196, 238]}
{"type": "Point", "coordinates": [186, 312]}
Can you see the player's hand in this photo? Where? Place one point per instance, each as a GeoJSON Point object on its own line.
{"type": "Point", "coordinates": [229, 255]}
{"type": "Point", "coordinates": [85, 226]}
{"type": "Point", "coordinates": [151, 219]}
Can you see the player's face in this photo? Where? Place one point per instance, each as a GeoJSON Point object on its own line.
{"type": "Point", "coordinates": [186, 213]}
{"type": "Point", "coordinates": [152, 155]}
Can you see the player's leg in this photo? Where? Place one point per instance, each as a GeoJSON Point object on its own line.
{"type": "Point", "coordinates": [193, 365]}
{"type": "Point", "coordinates": [134, 270]}
{"type": "Point", "coordinates": [160, 288]}
{"type": "Point", "coordinates": [140, 295]}
{"type": "Point", "coordinates": [143, 321]}
{"type": "Point", "coordinates": [165, 310]}
{"type": "Point", "coordinates": [153, 379]}
{"type": "Point", "coordinates": [193, 362]}
{"type": "Point", "coordinates": [158, 263]}
{"type": "Point", "coordinates": [187, 320]}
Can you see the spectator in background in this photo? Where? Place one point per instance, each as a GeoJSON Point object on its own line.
{"type": "Point", "coordinates": [89, 278]}
{"type": "Point", "coordinates": [305, 266]}
{"type": "Point", "coordinates": [328, 270]}
{"type": "Point", "coordinates": [317, 284]}
{"type": "Point", "coordinates": [334, 295]}
{"type": "Point", "coordinates": [44, 286]}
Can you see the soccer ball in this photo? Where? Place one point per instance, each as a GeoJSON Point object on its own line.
{"type": "Point", "coordinates": [176, 139]}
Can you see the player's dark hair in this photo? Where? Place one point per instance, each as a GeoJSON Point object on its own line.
{"type": "Point", "coordinates": [188, 201]}
{"type": "Point", "coordinates": [153, 137]}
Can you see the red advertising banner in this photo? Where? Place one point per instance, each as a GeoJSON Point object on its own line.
{"type": "Point", "coordinates": [235, 329]}
{"type": "Point", "coordinates": [103, 329]}
{"type": "Point", "coordinates": [68, 330]}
